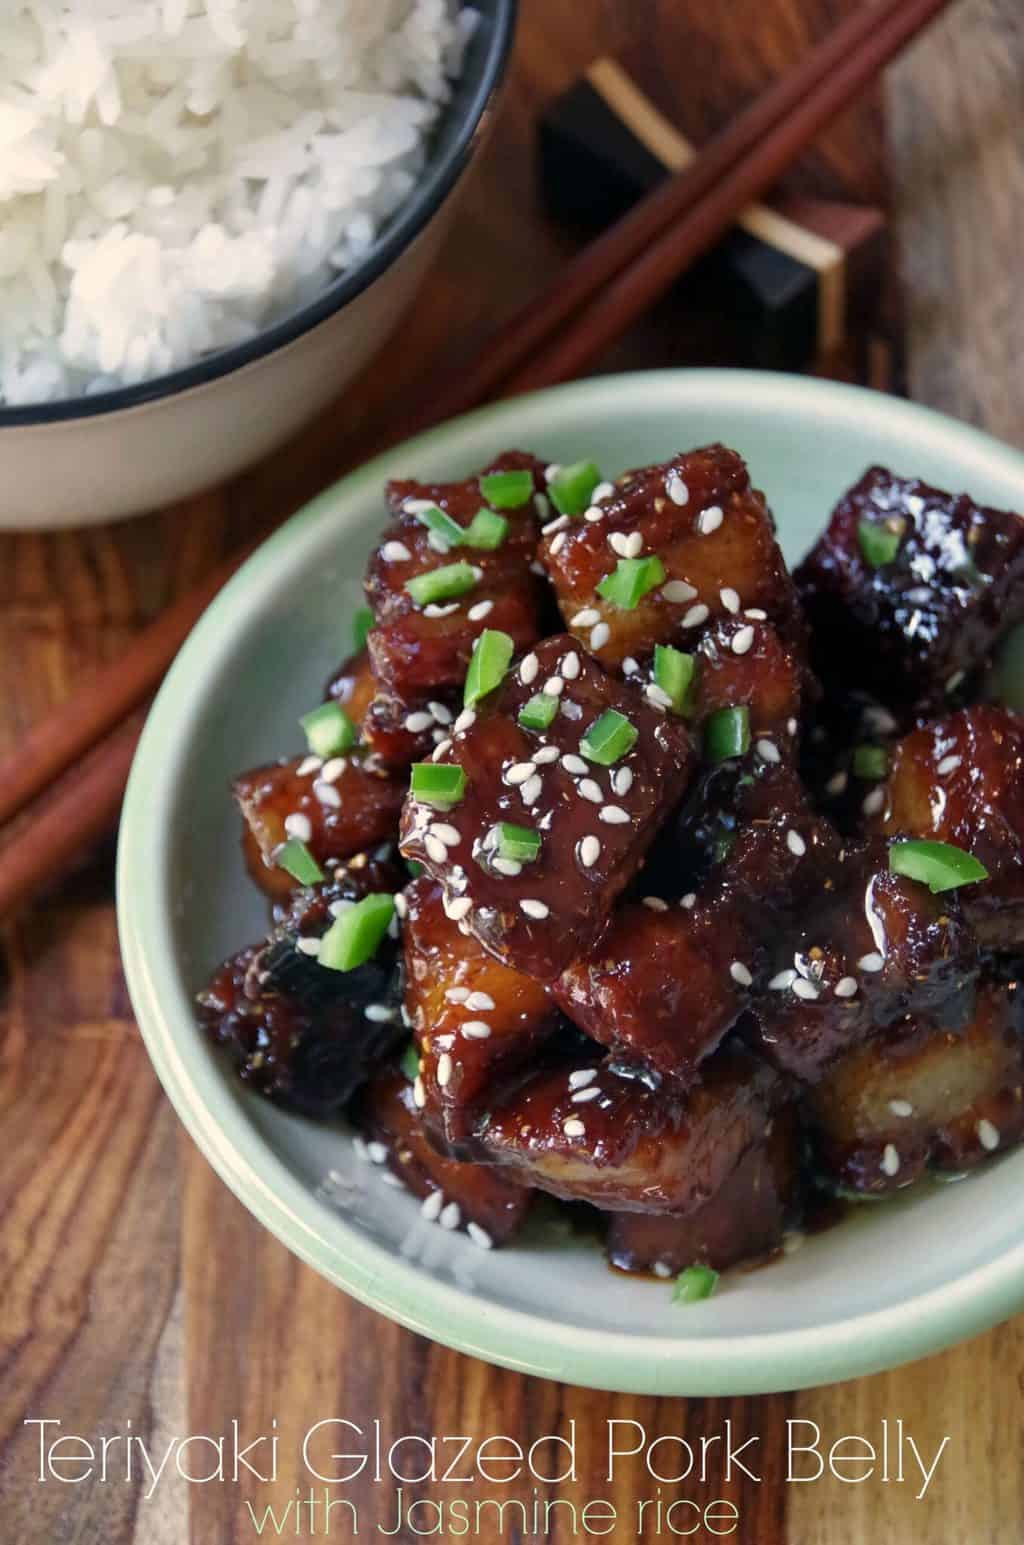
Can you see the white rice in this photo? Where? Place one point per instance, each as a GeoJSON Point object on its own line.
{"type": "Point", "coordinates": [175, 173]}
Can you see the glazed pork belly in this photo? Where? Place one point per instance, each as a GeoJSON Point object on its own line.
{"type": "Point", "coordinates": [474, 1019]}
{"type": "Point", "coordinates": [420, 648]}
{"type": "Point", "coordinates": [303, 1035]}
{"type": "Point", "coordinates": [395, 732]}
{"type": "Point", "coordinates": [908, 589]}
{"type": "Point", "coordinates": [590, 790]}
{"type": "Point", "coordinates": [960, 780]}
{"type": "Point", "coordinates": [489, 1206]}
{"type": "Point", "coordinates": [918, 1097]}
{"type": "Point", "coordinates": [706, 542]}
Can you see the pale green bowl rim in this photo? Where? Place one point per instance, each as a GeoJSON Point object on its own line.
{"type": "Point", "coordinates": [598, 1358]}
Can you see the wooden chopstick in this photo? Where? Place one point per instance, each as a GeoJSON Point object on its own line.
{"type": "Point", "coordinates": [594, 301]}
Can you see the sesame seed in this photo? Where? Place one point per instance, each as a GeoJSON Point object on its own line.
{"type": "Point", "coordinates": [629, 666]}
{"type": "Point", "coordinates": [678, 590]}
{"type": "Point", "coordinates": [593, 514]}
{"type": "Point", "coordinates": [435, 848]}
{"type": "Point", "coordinates": [332, 770]}
{"type": "Point", "coordinates": [742, 641]}
{"type": "Point", "coordinates": [530, 791]}
{"type": "Point", "coordinates": [710, 519]}
{"type": "Point", "coordinates": [783, 981]}
{"type": "Point", "coordinates": [448, 834]}
{"type": "Point", "coordinates": [430, 1207]}
{"type": "Point", "coordinates": [309, 764]}
{"type": "Point", "coordinates": [792, 726]}
{"type": "Point", "coordinates": [581, 1077]}
{"type": "Point", "coordinates": [879, 720]}
{"type": "Point", "coordinates": [441, 749]}
{"type": "Point", "coordinates": [602, 491]}
{"type": "Point", "coordinates": [614, 815]}
{"type": "Point", "coordinates": [582, 1096]}
{"type": "Point", "coordinates": [846, 987]}
{"type": "Point", "coordinates": [557, 543]}
{"type": "Point", "coordinates": [901, 1107]}
{"type": "Point", "coordinates": [872, 962]}
{"type": "Point", "coordinates": [433, 610]}
{"type": "Point", "coordinates": [890, 1164]}
{"type": "Point", "coordinates": [478, 612]}
{"type": "Point", "coordinates": [308, 946]}
{"type": "Point", "coordinates": [467, 718]}
{"type": "Point", "coordinates": [955, 680]}
{"type": "Point", "coordinates": [730, 599]}
{"type": "Point", "coordinates": [874, 802]}
{"type": "Point", "coordinates": [545, 754]}
{"type": "Point", "coordinates": [618, 542]}
{"type": "Point", "coordinates": [395, 552]}
{"type": "Point", "coordinates": [586, 618]}
{"type": "Point", "coordinates": [479, 1000]}
{"type": "Point", "coordinates": [657, 695]}
{"type": "Point", "coordinates": [444, 1070]}
{"type": "Point", "coordinates": [418, 721]}
{"type": "Point", "coordinates": [553, 687]}
{"type": "Point", "coordinates": [476, 1029]}
{"type": "Point", "coordinates": [519, 772]}
{"type": "Point", "coordinates": [590, 790]}
{"type": "Point", "coordinates": [695, 616]}
{"type": "Point", "coordinates": [401, 905]}
{"type": "Point", "coordinates": [419, 1093]}
{"type": "Point", "coordinates": [805, 989]}
{"type": "Point", "coordinates": [479, 1236]}
{"type": "Point", "coordinates": [837, 783]}
{"type": "Point", "coordinates": [459, 908]}
{"type": "Point", "coordinates": [600, 635]}
{"type": "Point", "coordinates": [570, 666]}
{"type": "Point", "coordinates": [327, 794]}
{"type": "Point", "coordinates": [677, 490]}
{"type": "Point", "coordinates": [796, 844]}
{"type": "Point", "coordinates": [299, 825]}
{"type": "Point", "coordinates": [551, 471]}
{"type": "Point", "coordinates": [379, 1013]}
{"type": "Point", "coordinates": [457, 994]}
{"type": "Point", "coordinates": [756, 614]}
{"type": "Point", "coordinates": [655, 904]}
{"type": "Point", "coordinates": [740, 974]}
{"type": "Point", "coordinates": [574, 1127]}
{"type": "Point", "coordinates": [574, 764]}
{"type": "Point", "coordinates": [661, 1269]}
{"type": "Point", "coordinates": [689, 901]}
{"type": "Point", "coordinates": [589, 851]}
{"type": "Point", "coordinates": [536, 909]}
{"type": "Point", "coordinates": [451, 1216]}
{"type": "Point", "coordinates": [376, 1153]}
{"type": "Point", "coordinates": [558, 524]}
{"type": "Point", "coordinates": [948, 764]}
{"type": "Point", "coordinates": [541, 505]}
{"type": "Point", "coordinates": [988, 1136]}
{"type": "Point", "coordinates": [622, 780]}
{"type": "Point", "coordinates": [768, 751]}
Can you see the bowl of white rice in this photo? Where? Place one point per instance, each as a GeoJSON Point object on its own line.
{"type": "Point", "coordinates": [212, 214]}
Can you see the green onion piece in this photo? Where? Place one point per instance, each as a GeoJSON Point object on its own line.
{"type": "Point", "coordinates": [631, 580]}
{"type": "Point", "coordinates": [362, 622]}
{"type": "Point", "coordinates": [410, 1063]}
{"type": "Point", "coordinates": [492, 653]}
{"type": "Point", "coordinates": [437, 783]}
{"type": "Point", "coordinates": [693, 1284]}
{"type": "Point", "coordinates": [674, 673]}
{"type": "Point", "coordinates": [329, 730]}
{"type": "Point", "coordinates": [520, 843]}
{"type": "Point", "coordinates": [539, 712]}
{"type": "Point", "coordinates": [507, 490]}
{"type": "Point", "coordinates": [870, 762]}
{"type": "Point", "coordinates": [435, 519]}
{"type": "Point", "coordinates": [486, 530]}
{"type": "Point", "coordinates": [609, 738]}
{"type": "Point", "coordinates": [878, 542]}
{"type": "Point", "coordinates": [443, 584]}
{"type": "Point", "coordinates": [726, 734]}
{"type": "Point", "coordinates": [414, 868]}
{"type": "Point", "coordinates": [571, 489]}
{"type": "Point", "coordinates": [295, 859]}
{"type": "Point", "coordinates": [354, 936]}
{"type": "Point", "coordinates": [939, 865]}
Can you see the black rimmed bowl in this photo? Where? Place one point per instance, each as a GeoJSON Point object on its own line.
{"type": "Point", "coordinates": [119, 453]}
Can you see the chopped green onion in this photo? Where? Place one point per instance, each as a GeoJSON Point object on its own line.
{"type": "Point", "coordinates": [486, 530]}
{"type": "Point", "coordinates": [414, 868]}
{"type": "Point", "coordinates": [631, 580]}
{"type": "Point", "coordinates": [539, 712]}
{"type": "Point", "coordinates": [437, 520]}
{"type": "Point", "coordinates": [609, 738]}
{"type": "Point", "coordinates": [295, 859]}
{"type": "Point", "coordinates": [570, 489]}
{"type": "Point", "coordinates": [491, 655]}
{"type": "Point", "coordinates": [437, 783]}
{"type": "Point", "coordinates": [507, 490]}
{"type": "Point", "coordinates": [693, 1284]}
{"type": "Point", "coordinates": [410, 1063]}
{"type": "Point", "coordinates": [329, 730]}
{"type": "Point", "coordinates": [870, 762]}
{"type": "Point", "coordinates": [362, 622]}
{"type": "Point", "coordinates": [939, 865]}
{"type": "Point", "coordinates": [674, 673]}
{"type": "Point", "coordinates": [354, 936]}
{"type": "Point", "coordinates": [878, 542]}
{"type": "Point", "coordinates": [519, 843]}
{"type": "Point", "coordinates": [443, 584]}
{"type": "Point", "coordinates": [726, 734]}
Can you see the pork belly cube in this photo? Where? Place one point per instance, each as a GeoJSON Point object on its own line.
{"type": "Point", "coordinates": [908, 588]}
{"type": "Point", "coordinates": [594, 821]}
{"type": "Point", "coordinates": [744, 1221]}
{"type": "Point", "coordinates": [421, 649]}
{"type": "Point", "coordinates": [918, 1097]}
{"type": "Point", "coordinates": [961, 780]}
{"type": "Point", "coordinates": [714, 537]}
{"type": "Point", "coordinates": [489, 1206]}
{"type": "Point", "coordinates": [394, 731]}
{"type": "Point", "coordinates": [474, 1020]}
{"type": "Point", "coordinates": [296, 1032]}
{"type": "Point", "coordinates": [872, 948]}
{"type": "Point", "coordinates": [616, 1136]}
{"type": "Point", "coordinates": [745, 664]}
{"type": "Point", "coordinates": [336, 808]}
{"type": "Point", "coordinates": [845, 755]}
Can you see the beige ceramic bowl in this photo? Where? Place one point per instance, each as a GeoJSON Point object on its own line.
{"type": "Point", "coordinates": [123, 452]}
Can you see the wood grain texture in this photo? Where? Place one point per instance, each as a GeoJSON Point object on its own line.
{"type": "Point", "coordinates": [134, 1285]}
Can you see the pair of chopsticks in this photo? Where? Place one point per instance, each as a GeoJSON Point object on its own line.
{"type": "Point", "coordinates": [596, 297]}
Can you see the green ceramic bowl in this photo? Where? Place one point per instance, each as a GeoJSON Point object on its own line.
{"type": "Point", "coordinates": [895, 1282]}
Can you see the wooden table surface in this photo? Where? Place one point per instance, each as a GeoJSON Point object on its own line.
{"type": "Point", "coordinates": [133, 1287]}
